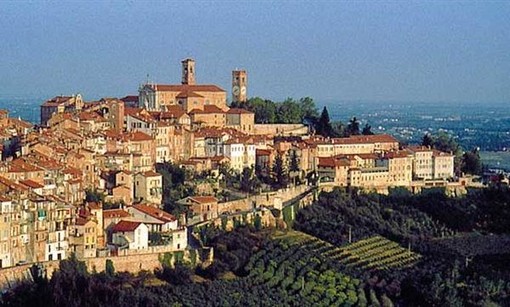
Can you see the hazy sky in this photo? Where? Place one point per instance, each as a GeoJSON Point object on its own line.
{"type": "Point", "coordinates": [403, 51]}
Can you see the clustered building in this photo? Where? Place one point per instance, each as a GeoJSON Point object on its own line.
{"type": "Point", "coordinates": [112, 146]}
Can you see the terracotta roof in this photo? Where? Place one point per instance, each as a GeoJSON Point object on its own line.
{"type": "Point", "coordinates": [80, 221]}
{"type": "Point", "coordinates": [437, 153]}
{"type": "Point", "coordinates": [397, 154]}
{"type": "Point", "coordinates": [138, 136]}
{"type": "Point", "coordinates": [419, 148]}
{"type": "Point", "coordinates": [31, 184]}
{"type": "Point", "coordinates": [20, 123]}
{"type": "Point", "coordinates": [208, 109]}
{"type": "Point", "coordinates": [203, 199]}
{"type": "Point", "coordinates": [263, 152]}
{"type": "Point", "coordinates": [150, 174]}
{"type": "Point", "coordinates": [332, 162]}
{"type": "Point", "coordinates": [187, 93]}
{"type": "Point", "coordinates": [115, 213]}
{"type": "Point", "coordinates": [94, 205]}
{"type": "Point", "coordinates": [239, 111]}
{"type": "Point", "coordinates": [186, 87]}
{"type": "Point", "coordinates": [3, 198]}
{"type": "Point", "coordinates": [56, 101]}
{"type": "Point", "coordinates": [129, 111]}
{"type": "Point", "coordinates": [219, 158]}
{"type": "Point", "coordinates": [124, 226]}
{"type": "Point", "coordinates": [170, 113]}
{"type": "Point", "coordinates": [155, 213]}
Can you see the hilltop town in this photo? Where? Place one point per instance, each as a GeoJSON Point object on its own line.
{"type": "Point", "coordinates": [90, 179]}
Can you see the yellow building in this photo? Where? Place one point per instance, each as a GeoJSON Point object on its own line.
{"type": "Point", "coordinates": [188, 95]}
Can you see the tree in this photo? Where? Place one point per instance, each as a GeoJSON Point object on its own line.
{"type": "Point", "coordinates": [367, 130]}
{"type": "Point", "coordinates": [249, 183]}
{"type": "Point", "coordinates": [353, 127]}
{"type": "Point", "coordinates": [338, 129]}
{"type": "Point", "coordinates": [289, 112]}
{"type": "Point", "coordinates": [257, 222]}
{"type": "Point", "coordinates": [265, 110]}
{"type": "Point", "coordinates": [427, 140]}
{"type": "Point", "coordinates": [308, 108]}
{"type": "Point", "coordinates": [109, 268]}
{"type": "Point", "coordinates": [471, 163]}
{"type": "Point", "coordinates": [294, 162]}
{"type": "Point", "coordinates": [93, 195]}
{"type": "Point", "coordinates": [324, 125]}
{"type": "Point", "coordinates": [280, 175]}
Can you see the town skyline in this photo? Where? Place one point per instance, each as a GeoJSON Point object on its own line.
{"type": "Point", "coordinates": [412, 52]}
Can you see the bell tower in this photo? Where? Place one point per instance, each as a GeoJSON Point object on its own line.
{"type": "Point", "coordinates": [188, 71]}
{"type": "Point", "coordinates": [239, 84]}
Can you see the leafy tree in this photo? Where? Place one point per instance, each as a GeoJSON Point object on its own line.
{"type": "Point", "coordinates": [93, 195]}
{"type": "Point", "coordinates": [174, 187]}
{"type": "Point", "coordinates": [308, 108]}
{"type": "Point", "coordinates": [446, 143]}
{"type": "Point", "coordinates": [338, 129]}
{"type": "Point", "coordinates": [249, 182]}
{"type": "Point", "coordinates": [427, 140]}
{"type": "Point", "coordinates": [367, 130]}
{"type": "Point", "coordinates": [178, 275]}
{"type": "Point", "coordinates": [471, 163]}
{"type": "Point", "coordinates": [289, 112]}
{"type": "Point", "coordinates": [69, 282]}
{"type": "Point", "coordinates": [265, 110]}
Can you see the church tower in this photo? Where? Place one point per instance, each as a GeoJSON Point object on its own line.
{"type": "Point", "coordinates": [188, 71]}
{"type": "Point", "coordinates": [239, 83]}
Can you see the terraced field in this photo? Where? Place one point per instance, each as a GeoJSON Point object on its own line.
{"type": "Point", "coordinates": [297, 264]}
{"type": "Point", "coordinates": [374, 253]}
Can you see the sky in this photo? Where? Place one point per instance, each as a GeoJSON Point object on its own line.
{"type": "Point", "coordinates": [413, 51]}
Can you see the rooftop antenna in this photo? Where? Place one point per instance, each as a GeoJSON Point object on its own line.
{"type": "Point", "coordinates": [147, 79]}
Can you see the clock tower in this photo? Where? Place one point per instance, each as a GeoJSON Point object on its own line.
{"type": "Point", "coordinates": [239, 83]}
{"type": "Point", "coordinates": [188, 71]}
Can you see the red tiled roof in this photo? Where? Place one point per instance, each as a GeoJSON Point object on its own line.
{"type": "Point", "coordinates": [208, 109]}
{"type": "Point", "coordinates": [188, 93]}
{"type": "Point", "coordinates": [332, 162]}
{"type": "Point", "coordinates": [31, 184]}
{"type": "Point", "coordinates": [239, 111]}
{"type": "Point", "coordinates": [56, 101]}
{"type": "Point", "coordinates": [138, 136]}
{"type": "Point", "coordinates": [150, 174]}
{"type": "Point", "coordinates": [186, 87]}
{"type": "Point", "coordinates": [113, 213]}
{"type": "Point", "coordinates": [94, 205]}
{"type": "Point", "coordinates": [155, 213]}
{"type": "Point", "coordinates": [80, 221]}
{"type": "Point", "coordinates": [125, 226]}
{"type": "Point", "coordinates": [262, 152]}
{"type": "Point", "coordinates": [203, 199]}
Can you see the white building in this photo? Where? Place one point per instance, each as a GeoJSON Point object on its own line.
{"type": "Point", "coordinates": [241, 153]}
{"type": "Point", "coordinates": [156, 219]}
{"type": "Point", "coordinates": [130, 235]}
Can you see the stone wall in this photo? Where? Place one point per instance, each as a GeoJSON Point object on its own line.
{"type": "Point", "coordinates": [280, 129]}
{"type": "Point", "coordinates": [269, 199]}
{"type": "Point", "coordinates": [130, 263]}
